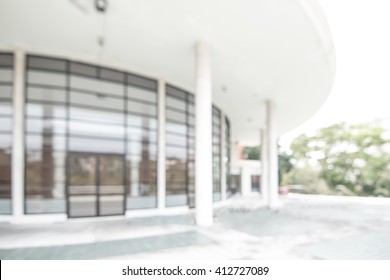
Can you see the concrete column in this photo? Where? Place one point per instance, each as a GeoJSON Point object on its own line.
{"type": "Point", "coordinates": [203, 137]}
{"type": "Point", "coordinates": [264, 167]}
{"type": "Point", "coordinates": [161, 163]}
{"type": "Point", "coordinates": [18, 125]}
{"type": "Point", "coordinates": [246, 184]}
{"type": "Point", "coordinates": [272, 152]}
{"type": "Point", "coordinates": [223, 157]}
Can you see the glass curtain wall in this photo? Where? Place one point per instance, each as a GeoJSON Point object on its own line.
{"type": "Point", "coordinates": [6, 78]}
{"type": "Point", "coordinates": [179, 147]}
{"type": "Point", "coordinates": [216, 153]}
{"type": "Point", "coordinates": [96, 141]}
{"type": "Point", "coordinates": [141, 153]}
{"type": "Point", "coordinates": [45, 135]}
{"type": "Point", "coordinates": [91, 134]}
{"type": "Point", "coordinates": [229, 190]}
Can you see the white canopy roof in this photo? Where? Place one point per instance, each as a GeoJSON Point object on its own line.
{"type": "Point", "coordinates": [261, 49]}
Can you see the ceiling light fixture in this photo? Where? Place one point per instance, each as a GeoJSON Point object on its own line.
{"type": "Point", "coordinates": [101, 5]}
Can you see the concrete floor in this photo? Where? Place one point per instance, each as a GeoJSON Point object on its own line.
{"type": "Point", "coordinates": [306, 227]}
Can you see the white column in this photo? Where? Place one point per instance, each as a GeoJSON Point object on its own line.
{"type": "Point", "coordinates": [223, 157]}
{"type": "Point", "coordinates": [18, 136]}
{"type": "Point", "coordinates": [273, 195]}
{"type": "Point", "coordinates": [203, 137]}
{"type": "Point", "coordinates": [246, 184]}
{"type": "Point", "coordinates": [161, 164]}
{"type": "Point", "coordinates": [264, 167]}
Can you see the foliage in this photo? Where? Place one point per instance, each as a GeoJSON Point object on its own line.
{"type": "Point", "coordinates": [354, 156]}
{"type": "Point", "coordinates": [252, 153]}
{"type": "Point", "coordinates": [285, 165]}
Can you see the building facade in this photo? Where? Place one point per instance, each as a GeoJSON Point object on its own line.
{"type": "Point", "coordinates": [125, 107]}
{"type": "Point", "coordinates": [91, 139]}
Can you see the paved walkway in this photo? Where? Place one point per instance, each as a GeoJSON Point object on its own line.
{"type": "Point", "coordinates": [306, 227]}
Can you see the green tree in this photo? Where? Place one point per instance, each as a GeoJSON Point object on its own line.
{"type": "Point", "coordinates": [252, 153]}
{"type": "Point", "coordinates": [285, 165]}
{"type": "Point", "coordinates": [354, 156]}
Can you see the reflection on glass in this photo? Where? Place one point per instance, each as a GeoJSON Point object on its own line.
{"type": "Point", "coordinates": [141, 159]}
{"type": "Point", "coordinates": [216, 140]}
{"type": "Point", "coordinates": [6, 74]}
{"type": "Point", "coordinates": [177, 123]}
{"type": "Point", "coordinates": [101, 119]}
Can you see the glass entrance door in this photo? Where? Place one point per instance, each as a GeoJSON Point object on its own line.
{"type": "Point", "coordinates": [95, 185]}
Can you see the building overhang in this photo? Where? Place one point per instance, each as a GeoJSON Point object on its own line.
{"type": "Point", "coordinates": [261, 49]}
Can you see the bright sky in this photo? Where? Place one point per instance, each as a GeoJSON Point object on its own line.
{"type": "Point", "coordinates": [361, 92]}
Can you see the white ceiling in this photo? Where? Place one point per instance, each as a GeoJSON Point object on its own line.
{"type": "Point", "coordinates": [261, 49]}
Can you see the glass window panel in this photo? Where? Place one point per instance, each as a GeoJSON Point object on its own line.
{"type": "Point", "coordinates": [46, 63]}
{"type": "Point", "coordinates": [5, 143]}
{"type": "Point", "coordinates": [177, 140]}
{"type": "Point", "coordinates": [92, 129]}
{"type": "Point", "coordinates": [176, 116]}
{"type": "Point", "coordinates": [191, 131]}
{"type": "Point", "coordinates": [176, 92]}
{"type": "Point", "coordinates": [42, 175]}
{"type": "Point", "coordinates": [176, 199]}
{"type": "Point", "coordinates": [46, 125]}
{"type": "Point", "coordinates": [134, 162]}
{"type": "Point", "coordinates": [136, 173]}
{"type": "Point", "coordinates": [191, 155]}
{"type": "Point", "coordinates": [142, 82]}
{"type": "Point", "coordinates": [97, 100]}
{"type": "Point", "coordinates": [48, 141]}
{"type": "Point", "coordinates": [216, 138]}
{"type": "Point", "coordinates": [98, 86]}
{"type": "Point", "coordinates": [176, 153]}
{"type": "Point", "coordinates": [141, 202]}
{"type": "Point", "coordinates": [141, 94]}
{"type": "Point", "coordinates": [147, 150]}
{"type": "Point", "coordinates": [46, 78]}
{"type": "Point", "coordinates": [95, 145]}
{"type": "Point", "coordinates": [191, 143]}
{"type": "Point", "coordinates": [141, 108]}
{"type": "Point", "coordinates": [191, 120]}
{"type": "Point", "coordinates": [45, 110]}
{"type": "Point", "coordinates": [112, 75]}
{"type": "Point", "coordinates": [82, 206]}
{"type": "Point", "coordinates": [5, 124]}
{"type": "Point", "coordinates": [36, 204]}
{"type": "Point", "coordinates": [83, 69]}
{"type": "Point", "coordinates": [141, 121]}
{"type": "Point", "coordinates": [137, 134]}
{"type": "Point", "coordinates": [82, 172]}
{"type": "Point", "coordinates": [111, 88]}
{"type": "Point", "coordinates": [5, 108]}
{"type": "Point", "coordinates": [175, 103]}
{"type": "Point", "coordinates": [139, 188]}
{"type": "Point", "coordinates": [111, 168]}
{"type": "Point", "coordinates": [111, 205]}
{"type": "Point", "coordinates": [5, 202]}
{"type": "Point", "coordinates": [46, 94]}
{"type": "Point", "coordinates": [5, 150]}
{"type": "Point", "coordinates": [6, 59]}
{"type": "Point", "coordinates": [176, 128]}
{"type": "Point", "coordinates": [175, 176]}
{"type": "Point", "coordinates": [6, 75]}
{"type": "Point", "coordinates": [96, 115]}
{"type": "Point", "coordinates": [176, 188]}
{"type": "Point", "coordinates": [191, 109]}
